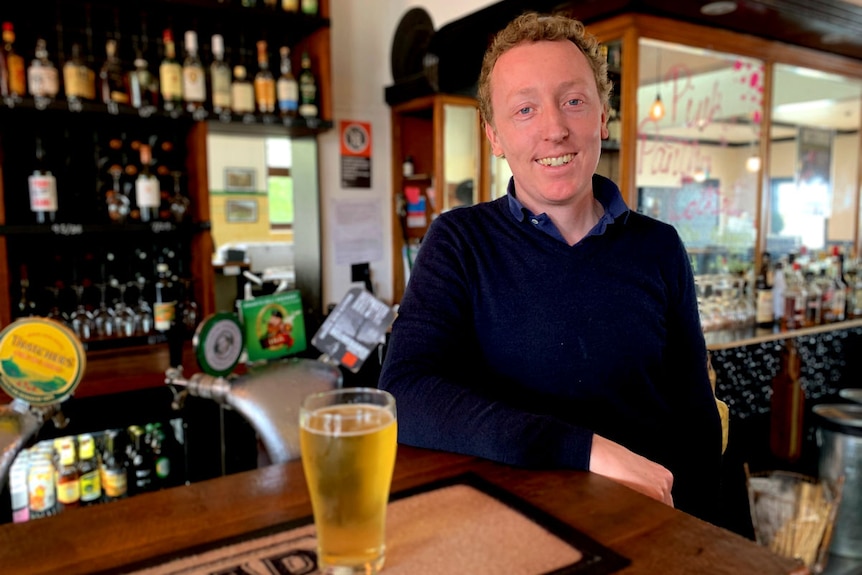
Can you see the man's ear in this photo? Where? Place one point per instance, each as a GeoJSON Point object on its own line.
{"type": "Point", "coordinates": [492, 138]}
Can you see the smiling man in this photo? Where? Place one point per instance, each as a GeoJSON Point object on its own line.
{"type": "Point", "coordinates": [554, 327]}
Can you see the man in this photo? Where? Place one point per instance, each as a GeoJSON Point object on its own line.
{"type": "Point", "coordinates": [554, 327]}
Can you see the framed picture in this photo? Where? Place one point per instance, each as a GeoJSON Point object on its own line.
{"type": "Point", "coordinates": [241, 211]}
{"type": "Point", "coordinates": [239, 179]}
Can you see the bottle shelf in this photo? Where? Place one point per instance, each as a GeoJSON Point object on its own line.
{"type": "Point", "coordinates": [61, 230]}
{"type": "Point", "coordinates": [295, 127]}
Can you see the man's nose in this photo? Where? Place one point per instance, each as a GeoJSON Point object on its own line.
{"type": "Point", "coordinates": [554, 124]}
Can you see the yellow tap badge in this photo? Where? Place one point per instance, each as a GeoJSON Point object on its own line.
{"type": "Point", "coordinates": [41, 361]}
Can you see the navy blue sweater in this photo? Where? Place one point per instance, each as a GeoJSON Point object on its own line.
{"type": "Point", "coordinates": [514, 346]}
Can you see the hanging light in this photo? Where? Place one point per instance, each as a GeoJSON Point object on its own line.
{"type": "Point", "coordinates": [752, 164]}
{"type": "Point", "coordinates": [656, 111]}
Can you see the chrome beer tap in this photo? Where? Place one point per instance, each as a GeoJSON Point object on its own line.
{"type": "Point", "coordinates": [267, 396]}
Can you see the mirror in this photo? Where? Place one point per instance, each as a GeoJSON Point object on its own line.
{"type": "Point", "coordinates": [693, 168]}
{"type": "Point", "coordinates": [264, 212]}
{"type": "Point", "coordinates": [813, 167]}
{"type": "Point", "coordinates": [461, 165]}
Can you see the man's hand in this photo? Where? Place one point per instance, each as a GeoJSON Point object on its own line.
{"type": "Point", "coordinates": [632, 470]}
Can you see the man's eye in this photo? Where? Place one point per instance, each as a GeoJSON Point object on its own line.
{"type": "Point", "coordinates": [575, 102]}
{"type": "Point", "coordinates": [525, 110]}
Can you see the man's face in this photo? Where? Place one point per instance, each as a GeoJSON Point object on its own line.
{"type": "Point", "coordinates": [273, 324]}
{"type": "Point", "coordinates": [548, 121]}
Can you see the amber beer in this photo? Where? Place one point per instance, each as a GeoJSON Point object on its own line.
{"type": "Point", "coordinates": [348, 440]}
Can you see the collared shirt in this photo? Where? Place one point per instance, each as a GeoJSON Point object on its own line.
{"type": "Point", "coordinates": [604, 190]}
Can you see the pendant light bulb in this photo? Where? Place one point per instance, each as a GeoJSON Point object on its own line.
{"type": "Point", "coordinates": [656, 111]}
{"type": "Point", "coordinates": [752, 164]}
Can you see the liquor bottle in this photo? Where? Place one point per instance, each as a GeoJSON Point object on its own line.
{"type": "Point", "coordinates": [309, 7]}
{"type": "Point", "coordinates": [78, 79]}
{"type": "Point", "coordinates": [813, 301]}
{"type": "Point", "coordinates": [68, 476]}
{"type": "Point", "coordinates": [287, 87]}
{"type": "Point", "coordinates": [114, 472]}
{"type": "Point", "coordinates": [764, 310]}
{"type": "Point", "coordinates": [41, 487]}
{"type": "Point", "coordinates": [169, 455]}
{"type": "Point", "coordinates": [140, 462]}
{"type": "Point", "coordinates": [194, 77]}
{"type": "Point", "coordinates": [18, 487]}
{"type": "Point", "coordinates": [779, 284]}
{"type": "Point", "coordinates": [795, 296]}
{"type": "Point", "coordinates": [43, 80]}
{"type": "Point", "coordinates": [143, 85]}
{"type": "Point", "coordinates": [220, 77]}
{"type": "Point", "coordinates": [839, 286]}
{"type": "Point", "coordinates": [290, 5]}
{"type": "Point", "coordinates": [170, 75]}
{"type": "Point", "coordinates": [264, 83]}
{"type": "Point", "coordinates": [112, 78]}
{"type": "Point", "coordinates": [307, 89]}
{"type": "Point", "coordinates": [88, 469]}
{"type": "Point", "coordinates": [12, 74]}
{"type": "Point", "coordinates": [241, 91]}
{"type": "Point", "coordinates": [43, 189]}
{"type": "Point", "coordinates": [787, 406]}
{"type": "Point", "coordinates": [164, 308]}
{"type": "Point", "coordinates": [147, 190]}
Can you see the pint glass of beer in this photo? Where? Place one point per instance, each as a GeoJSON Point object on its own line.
{"type": "Point", "coordinates": [348, 438]}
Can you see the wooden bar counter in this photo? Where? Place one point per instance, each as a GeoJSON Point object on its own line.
{"type": "Point", "coordinates": [104, 538]}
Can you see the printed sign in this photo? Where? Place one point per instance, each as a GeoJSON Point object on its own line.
{"type": "Point", "coordinates": [355, 154]}
{"type": "Point", "coordinates": [274, 325]}
{"type": "Point", "coordinates": [41, 361]}
{"type": "Point", "coordinates": [356, 326]}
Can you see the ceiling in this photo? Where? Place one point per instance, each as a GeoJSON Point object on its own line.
{"type": "Point", "coordinates": [825, 25]}
{"type": "Point", "coordinates": [828, 25]}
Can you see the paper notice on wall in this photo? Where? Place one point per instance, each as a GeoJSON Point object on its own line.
{"type": "Point", "coordinates": [358, 230]}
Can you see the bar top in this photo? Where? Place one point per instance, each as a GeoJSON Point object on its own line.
{"type": "Point", "coordinates": [105, 538]}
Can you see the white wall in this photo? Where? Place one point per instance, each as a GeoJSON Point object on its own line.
{"type": "Point", "coordinates": [361, 33]}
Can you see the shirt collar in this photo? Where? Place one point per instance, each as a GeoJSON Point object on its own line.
{"type": "Point", "coordinates": [604, 190]}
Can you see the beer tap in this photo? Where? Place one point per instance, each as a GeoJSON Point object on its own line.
{"type": "Point", "coordinates": [267, 396]}
{"type": "Point", "coordinates": [20, 422]}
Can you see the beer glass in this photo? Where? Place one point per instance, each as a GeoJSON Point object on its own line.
{"type": "Point", "coordinates": [348, 440]}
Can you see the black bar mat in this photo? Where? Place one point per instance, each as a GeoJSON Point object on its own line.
{"type": "Point", "coordinates": [462, 524]}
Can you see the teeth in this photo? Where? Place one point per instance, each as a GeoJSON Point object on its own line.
{"type": "Point", "coordinates": [558, 161]}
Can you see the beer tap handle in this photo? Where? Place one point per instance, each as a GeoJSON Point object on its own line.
{"type": "Point", "coordinates": [174, 378]}
{"type": "Point", "coordinates": [59, 419]}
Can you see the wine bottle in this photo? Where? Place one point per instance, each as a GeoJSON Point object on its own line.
{"type": "Point", "coordinates": [194, 78]}
{"type": "Point", "coordinates": [147, 190]}
{"type": "Point", "coordinates": [170, 75]}
{"type": "Point", "coordinates": [220, 77]}
{"type": "Point", "coordinates": [43, 189]}
{"type": "Point", "coordinates": [307, 89]}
